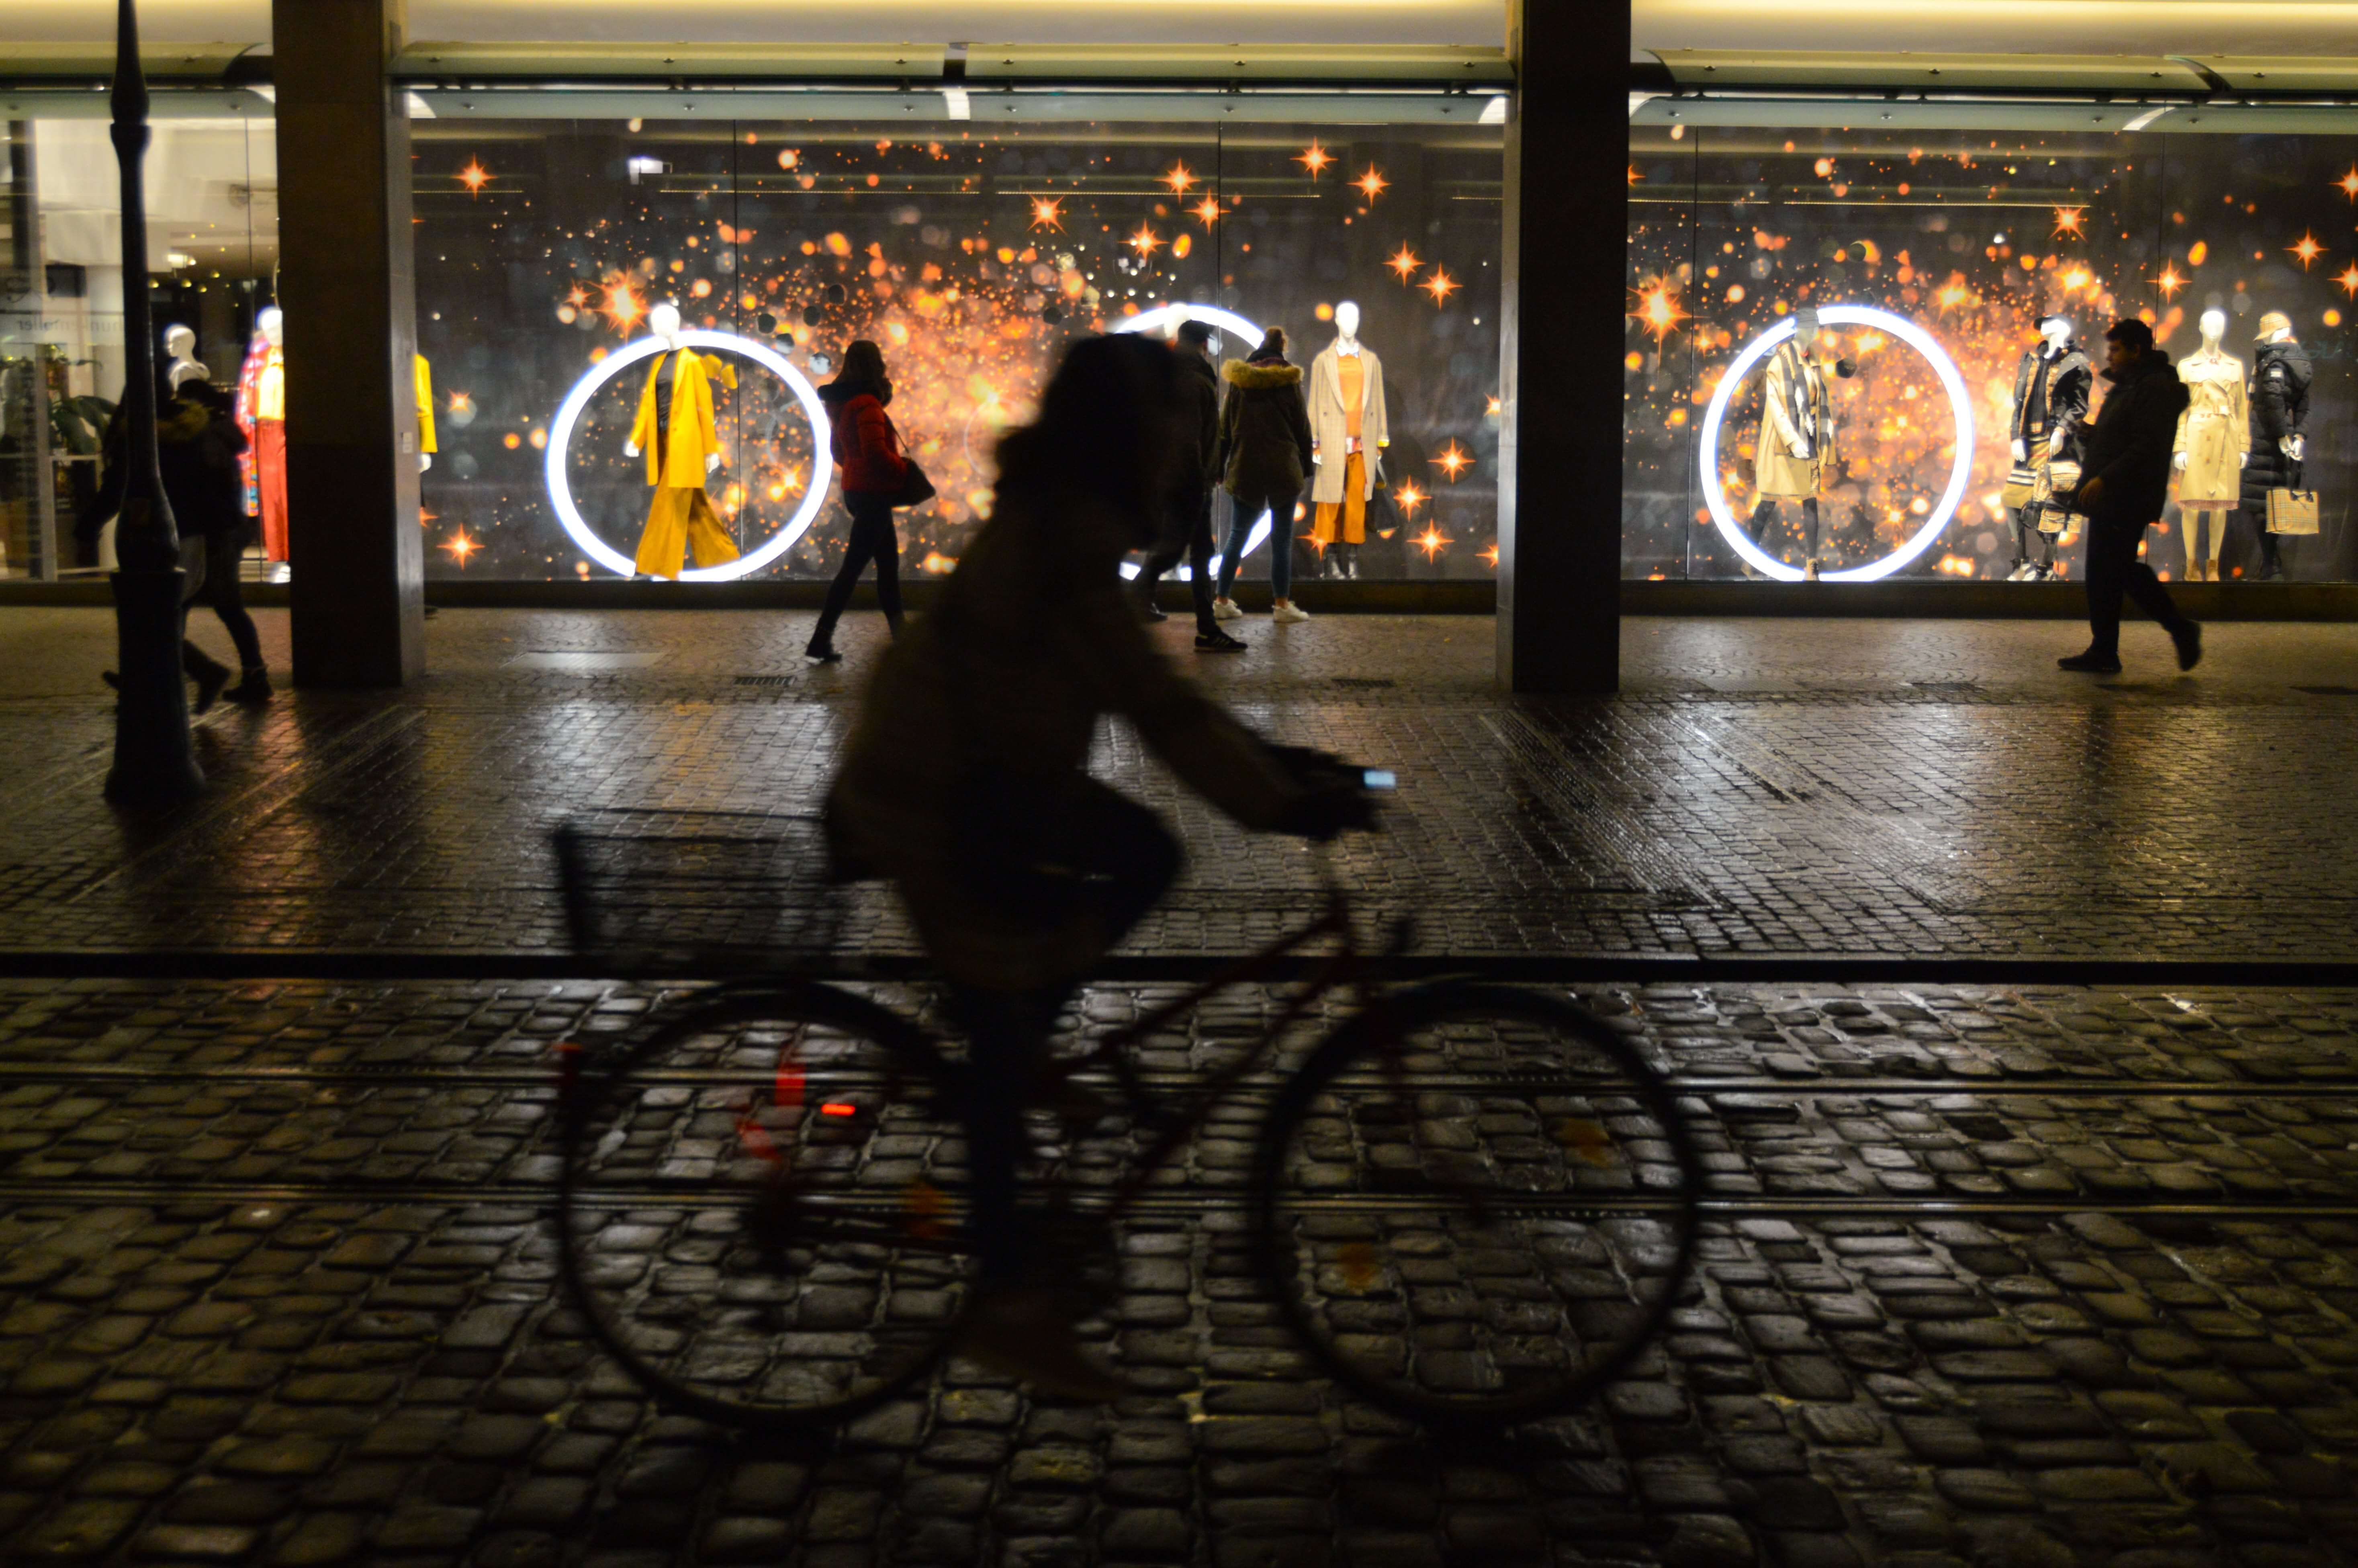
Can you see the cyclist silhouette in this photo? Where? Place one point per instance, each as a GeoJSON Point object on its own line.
{"type": "Point", "coordinates": [965, 780]}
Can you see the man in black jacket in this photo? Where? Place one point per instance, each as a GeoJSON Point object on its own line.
{"type": "Point", "coordinates": [2127, 479]}
{"type": "Point", "coordinates": [1190, 530]}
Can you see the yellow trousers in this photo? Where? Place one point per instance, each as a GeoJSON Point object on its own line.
{"type": "Point", "coordinates": [1353, 507]}
{"type": "Point", "coordinates": [682, 515]}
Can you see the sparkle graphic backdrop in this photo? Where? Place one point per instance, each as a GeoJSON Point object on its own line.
{"type": "Point", "coordinates": [1975, 236]}
{"type": "Point", "coordinates": [972, 258]}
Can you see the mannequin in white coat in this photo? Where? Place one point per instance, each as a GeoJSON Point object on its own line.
{"type": "Point", "coordinates": [1348, 430]}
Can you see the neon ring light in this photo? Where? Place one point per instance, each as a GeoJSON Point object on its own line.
{"type": "Point", "coordinates": [1960, 405]}
{"type": "Point", "coordinates": [1165, 318]}
{"type": "Point", "coordinates": [569, 414]}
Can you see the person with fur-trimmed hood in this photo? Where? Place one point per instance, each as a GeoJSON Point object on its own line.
{"type": "Point", "coordinates": [1264, 460]}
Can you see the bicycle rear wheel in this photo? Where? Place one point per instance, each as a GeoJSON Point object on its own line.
{"type": "Point", "coordinates": [1475, 1203]}
{"type": "Point", "coordinates": [759, 1214]}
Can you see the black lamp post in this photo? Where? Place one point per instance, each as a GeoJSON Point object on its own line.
{"type": "Point", "coordinates": [154, 763]}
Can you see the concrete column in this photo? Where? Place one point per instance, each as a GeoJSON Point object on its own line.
{"type": "Point", "coordinates": [345, 282]}
{"type": "Point", "coordinates": [1561, 345]}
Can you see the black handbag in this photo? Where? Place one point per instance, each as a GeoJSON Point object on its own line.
{"type": "Point", "coordinates": [916, 488]}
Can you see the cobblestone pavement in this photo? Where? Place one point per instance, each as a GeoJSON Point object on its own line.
{"type": "Point", "coordinates": [1763, 787]}
{"type": "Point", "coordinates": [1992, 1275]}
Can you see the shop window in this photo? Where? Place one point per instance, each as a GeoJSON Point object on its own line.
{"type": "Point", "coordinates": [1932, 254]}
{"type": "Point", "coordinates": [211, 193]}
{"type": "Point", "coordinates": [972, 253]}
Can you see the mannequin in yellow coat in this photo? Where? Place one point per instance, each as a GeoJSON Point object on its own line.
{"type": "Point", "coordinates": [423, 376]}
{"type": "Point", "coordinates": [682, 446]}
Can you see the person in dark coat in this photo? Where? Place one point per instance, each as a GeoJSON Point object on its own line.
{"type": "Point", "coordinates": [2125, 482]}
{"type": "Point", "coordinates": [197, 447]}
{"type": "Point", "coordinates": [867, 448]}
{"type": "Point", "coordinates": [1190, 529]}
{"type": "Point", "coordinates": [1265, 457]}
{"type": "Point", "coordinates": [2279, 399]}
{"type": "Point", "coordinates": [965, 780]}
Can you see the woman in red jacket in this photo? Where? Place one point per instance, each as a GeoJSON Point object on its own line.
{"type": "Point", "coordinates": [867, 448]}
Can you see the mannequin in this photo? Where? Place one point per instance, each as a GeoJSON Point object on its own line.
{"type": "Point", "coordinates": [676, 430]}
{"type": "Point", "coordinates": [423, 374]}
{"type": "Point", "coordinates": [2279, 400]}
{"type": "Point", "coordinates": [2214, 437]}
{"type": "Point", "coordinates": [1348, 430]}
{"type": "Point", "coordinates": [262, 415]}
{"type": "Point", "coordinates": [1797, 434]}
{"type": "Point", "coordinates": [181, 352]}
{"type": "Point", "coordinates": [2051, 383]}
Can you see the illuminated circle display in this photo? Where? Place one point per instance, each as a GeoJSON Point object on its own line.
{"type": "Point", "coordinates": [569, 414]}
{"type": "Point", "coordinates": [1959, 406]}
{"type": "Point", "coordinates": [1163, 320]}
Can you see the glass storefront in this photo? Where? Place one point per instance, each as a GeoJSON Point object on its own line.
{"type": "Point", "coordinates": [212, 188]}
{"type": "Point", "coordinates": [1958, 275]}
{"type": "Point", "coordinates": [971, 253]}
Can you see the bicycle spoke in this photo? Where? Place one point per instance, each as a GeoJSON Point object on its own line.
{"type": "Point", "coordinates": [808, 1257]}
{"type": "Point", "coordinates": [1508, 1261]}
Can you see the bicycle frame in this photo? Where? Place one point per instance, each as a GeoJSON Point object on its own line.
{"type": "Point", "coordinates": [1347, 967]}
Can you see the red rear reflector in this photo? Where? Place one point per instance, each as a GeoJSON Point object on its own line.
{"type": "Point", "coordinates": [838, 1108]}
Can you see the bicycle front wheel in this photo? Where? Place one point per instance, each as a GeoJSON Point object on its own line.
{"type": "Point", "coordinates": [1475, 1203]}
{"type": "Point", "coordinates": [759, 1212]}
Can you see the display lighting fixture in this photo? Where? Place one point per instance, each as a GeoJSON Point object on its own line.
{"type": "Point", "coordinates": [639, 167]}
{"type": "Point", "coordinates": [568, 415]}
{"type": "Point", "coordinates": [474, 176]}
{"type": "Point", "coordinates": [1162, 321]}
{"type": "Point", "coordinates": [1207, 210]}
{"type": "Point", "coordinates": [1403, 264]}
{"type": "Point", "coordinates": [1315, 159]}
{"type": "Point", "coordinates": [1961, 409]}
{"type": "Point", "coordinates": [1048, 213]}
{"type": "Point", "coordinates": [1180, 179]}
{"type": "Point", "coordinates": [1371, 184]}
{"type": "Point", "coordinates": [2308, 249]}
{"type": "Point", "coordinates": [2348, 183]}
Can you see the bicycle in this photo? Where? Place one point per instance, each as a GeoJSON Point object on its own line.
{"type": "Point", "coordinates": [1472, 1203]}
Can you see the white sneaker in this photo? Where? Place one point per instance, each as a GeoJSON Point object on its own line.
{"type": "Point", "coordinates": [1285, 614]}
{"type": "Point", "coordinates": [1226, 609]}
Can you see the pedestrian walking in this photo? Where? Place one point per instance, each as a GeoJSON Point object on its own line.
{"type": "Point", "coordinates": [2126, 480]}
{"type": "Point", "coordinates": [197, 444]}
{"type": "Point", "coordinates": [867, 451]}
{"type": "Point", "coordinates": [1265, 459]}
{"type": "Point", "coordinates": [1189, 530]}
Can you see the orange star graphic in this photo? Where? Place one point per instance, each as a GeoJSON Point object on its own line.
{"type": "Point", "coordinates": [474, 176]}
{"type": "Point", "coordinates": [2170, 283]}
{"type": "Point", "coordinates": [1048, 213]}
{"type": "Point", "coordinates": [1491, 406]}
{"type": "Point", "coordinates": [577, 297]}
{"type": "Point", "coordinates": [1404, 265]}
{"type": "Point", "coordinates": [460, 546]}
{"type": "Point", "coordinates": [1146, 241]}
{"type": "Point", "coordinates": [1371, 184]}
{"type": "Point", "coordinates": [1490, 554]}
{"type": "Point", "coordinates": [1440, 285]}
{"type": "Point", "coordinates": [1657, 307]}
{"type": "Point", "coordinates": [1179, 179]}
{"type": "Point", "coordinates": [2348, 280]}
{"type": "Point", "coordinates": [2348, 183]}
{"type": "Point", "coordinates": [1315, 159]}
{"type": "Point", "coordinates": [2068, 221]}
{"type": "Point", "coordinates": [1408, 498]}
{"type": "Point", "coordinates": [1207, 210]}
{"type": "Point", "coordinates": [1431, 542]}
{"type": "Point", "coordinates": [622, 306]}
{"type": "Point", "coordinates": [1633, 175]}
{"type": "Point", "coordinates": [2309, 250]}
{"type": "Point", "coordinates": [1454, 461]}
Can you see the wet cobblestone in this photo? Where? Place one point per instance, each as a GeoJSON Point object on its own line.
{"type": "Point", "coordinates": [243, 1348]}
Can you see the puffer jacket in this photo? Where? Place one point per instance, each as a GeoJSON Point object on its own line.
{"type": "Point", "coordinates": [863, 441]}
{"type": "Point", "coordinates": [2280, 378]}
{"type": "Point", "coordinates": [1033, 638]}
{"type": "Point", "coordinates": [197, 447]}
{"type": "Point", "coordinates": [2129, 445]}
{"type": "Point", "coordinates": [1264, 429]}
